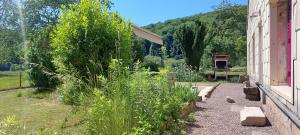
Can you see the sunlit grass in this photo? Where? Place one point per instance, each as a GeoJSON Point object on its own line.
{"type": "Point", "coordinates": [45, 112]}
{"type": "Point", "coordinates": [11, 79]}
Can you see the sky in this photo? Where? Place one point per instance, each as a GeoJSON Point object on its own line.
{"type": "Point", "coordinates": [144, 12]}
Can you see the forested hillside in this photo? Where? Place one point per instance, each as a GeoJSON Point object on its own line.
{"type": "Point", "coordinates": [225, 34]}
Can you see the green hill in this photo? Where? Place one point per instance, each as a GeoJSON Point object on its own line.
{"type": "Point", "coordinates": [226, 33]}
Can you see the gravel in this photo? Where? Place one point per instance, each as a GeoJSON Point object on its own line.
{"type": "Point", "coordinates": [217, 117]}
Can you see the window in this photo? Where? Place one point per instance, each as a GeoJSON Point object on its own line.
{"type": "Point", "coordinates": [280, 46]}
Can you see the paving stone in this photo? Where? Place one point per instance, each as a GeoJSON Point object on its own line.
{"type": "Point", "coordinates": [251, 91]}
{"type": "Point", "coordinates": [259, 133]}
{"type": "Point", "coordinates": [252, 116]}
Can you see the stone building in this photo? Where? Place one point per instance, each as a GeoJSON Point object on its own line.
{"type": "Point", "coordinates": [273, 60]}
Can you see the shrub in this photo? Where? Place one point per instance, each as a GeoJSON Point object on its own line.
{"type": "Point", "coordinates": [10, 126]}
{"type": "Point", "coordinates": [137, 103]}
{"type": "Point", "coordinates": [19, 93]}
{"type": "Point", "coordinates": [84, 42]}
{"type": "Point", "coordinates": [88, 37]}
{"type": "Point", "coordinates": [152, 62]}
{"type": "Point", "coordinates": [178, 63]}
{"type": "Point", "coordinates": [185, 73]}
{"type": "Point", "coordinates": [40, 69]}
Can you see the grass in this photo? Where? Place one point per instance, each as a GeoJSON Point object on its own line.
{"type": "Point", "coordinates": [45, 112]}
{"type": "Point", "coordinates": [11, 79]}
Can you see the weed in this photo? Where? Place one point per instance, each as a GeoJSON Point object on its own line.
{"type": "Point", "coordinates": [19, 93]}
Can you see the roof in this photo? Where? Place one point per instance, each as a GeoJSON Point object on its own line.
{"type": "Point", "coordinates": [145, 34]}
{"type": "Point", "coordinates": [221, 57]}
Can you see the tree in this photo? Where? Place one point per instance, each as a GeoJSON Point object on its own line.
{"type": "Point", "coordinates": [40, 14]}
{"type": "Point", "coordinates": [88, 37]}
{"type": "Point", "coordinates": [41, 70]}
{"type": "Point", "coordinates": [10, 39]}
{"type": "Point", "coordinates": [191, 39]}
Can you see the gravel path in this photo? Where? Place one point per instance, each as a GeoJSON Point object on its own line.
{"type": "Point", "coordinates": [217, 117]}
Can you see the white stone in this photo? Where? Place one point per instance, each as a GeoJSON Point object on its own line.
{"type": "Point", "coordinates": [205, 92]}
{"type": "Point", "coordinates": [252, 116]}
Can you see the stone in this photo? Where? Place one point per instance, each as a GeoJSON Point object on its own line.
{"type": "Point", "coordinates": [259, 133]}
{"type": "Point", "coordinates": [236, 108]}
{"type": "Point", "coordinates": [246, 83]}
{"type": "Point", "coordinates": [252, 116]}
{"type": "Point", "coordinates": [229, 99]}
{"type": "Point", "coordinates": [251, 90]}
{"type": "Point", "coordinates": [253, 97]}
{"type": "Point", "coordinates": [204, 93]}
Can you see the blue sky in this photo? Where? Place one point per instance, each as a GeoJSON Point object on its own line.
{"type": "Point", "coordinates": [144, 12]}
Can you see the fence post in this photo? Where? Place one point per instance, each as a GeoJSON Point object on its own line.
{"type": "Point", "coordinates": [20, 78]}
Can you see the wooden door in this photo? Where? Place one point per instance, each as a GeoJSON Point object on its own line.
{"type": "Point", "coordinates": [296, 53]}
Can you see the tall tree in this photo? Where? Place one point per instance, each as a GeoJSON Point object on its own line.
{"type": "Point", "coordinates": [191, 39]}
{"type": "Point", "coordinates": [9, 33]}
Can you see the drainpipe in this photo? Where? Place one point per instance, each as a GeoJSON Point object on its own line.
{"type": "Point", "coordinates": [280, 105]}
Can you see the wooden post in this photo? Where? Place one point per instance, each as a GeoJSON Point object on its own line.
{"type": "Point", "coordinates": [20, 78]}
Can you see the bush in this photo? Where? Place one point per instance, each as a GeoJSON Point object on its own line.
{"type": "Point", "coordinates": [137, 103]}
{"type": "Point", "coordinates": [152, 62]}
{"type": "Point", "coordinates": [84, 42]}
{"type": "Point", "coordinates": [19, 93]}
{"type": "Point", "coordinates": [178, 63]}
{"type": "Point", "coordinates": [10, 126]}
{"type": "Point", "coordinates": [88, 37]}
{"type": "Point", "coordinates": [40, 69]}
{"type": "Point", "coordinates": [185, 73]}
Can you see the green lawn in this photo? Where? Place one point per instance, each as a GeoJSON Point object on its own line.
{"type": "Point", "coordinates": [38, 114]}
{"type": "Point", "coordinates": [11, 79]}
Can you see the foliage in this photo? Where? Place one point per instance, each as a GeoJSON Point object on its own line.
{"type": "Point", "coordinates": [185, 73]}
{"type": "Point", "coordinates": [88, 37]}
{"type": "Point", "coordinates": [40, 14]}
{"type": "Point", "coordinates": [191, 39]}
{"type": "Point", "coordinates": [41, 70]}
{"type": "Point", "coordinates": [15, 67]}
{"type": "Point", "coordinates": [226, 33]}
{"type": "Point", "coordinates": [152, 62]}
{"type": "Point", "coordinates": [10, 126]}
{"type": "Point", "coordinates": [19, 93]}
{"type": "Point", "coordinates": [74, 88]}
{"type": "Point", "coordinates": [137, 49]}
{"type": "Point", "coordinates": [137, 103]}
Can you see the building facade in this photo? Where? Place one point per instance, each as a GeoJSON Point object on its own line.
{"type": "Point", "coordinates": [273, 60]}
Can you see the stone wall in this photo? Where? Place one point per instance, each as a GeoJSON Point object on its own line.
{"type": "Point", "coordinates": [264, 37]}
{"type": "Point", "coordinates": [284, 125]}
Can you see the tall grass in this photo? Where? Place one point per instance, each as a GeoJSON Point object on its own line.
{"type": "Point", "coordinates": [137, 103]}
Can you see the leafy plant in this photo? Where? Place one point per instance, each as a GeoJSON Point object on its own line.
{"type": "Point", "coordinates": [40, 68]}
{"type": "Point", "coordinates": [9, 125]}
{"type": "Point", "coordinates": [137, 103]}
{"type": "Point", "coordinates": [84, 42]}
{"type": "Point", "coordinates": [88, 37]}
{"type": "Point", "coordinates": [185, 73]}
{"type": "Point", "coordinates": [152, 62]}
{"type": "Point", "coordinates": [19, 93]}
